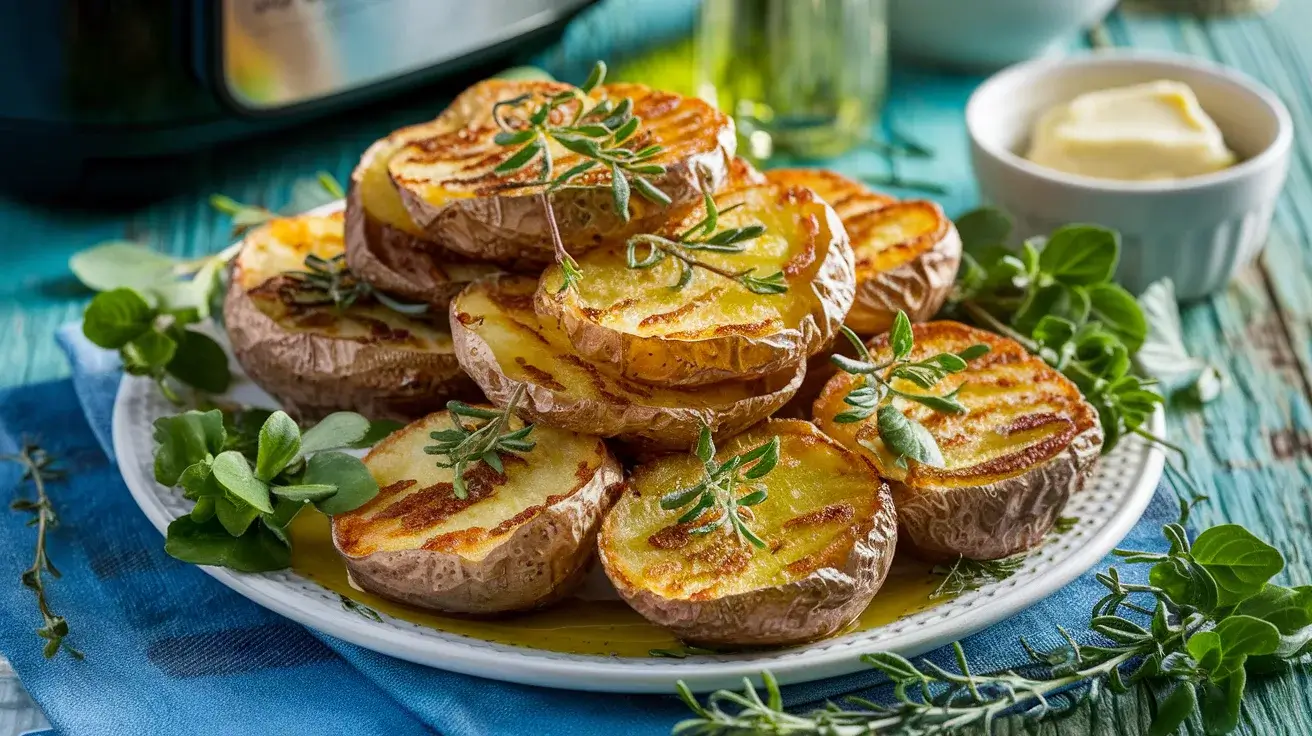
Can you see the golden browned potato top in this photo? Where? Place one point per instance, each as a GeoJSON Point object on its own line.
{"type": "Point", "coordinates": [530, 350]}
{"type": "Point", "coordinates": [885, 232]}
{"type": "Point", "coordinates": [416, 506]}
{"type": "Point", "coordinates": [1021, 413]}
{"type": "Point", "coordinates": [800, 233]}
{"type": "Point", "coordinates": [280, 246]}
{"type": "Point", "coordinates": [461, 162]}
{"type": "Point", "coordinates": [822, 499]}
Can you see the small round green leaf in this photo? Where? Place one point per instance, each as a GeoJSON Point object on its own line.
{"type": "Point", "coordinates": [115, 317]}
{"type": "Point", "coordinates": [280, 444]}
{"type": "Point", "coordinates": [182, 440]}
{"type": "Point", "coordinates": [1239, 561]}
{"type": "Point", "coordinates": [200, 363]}
{"type": "Point", "coordinates": [901, 338]}
{"type": "Point", "coordinates": [1080, 255]}
{"type": "Point", "coordinates": [304, 491]}
{"type": "Point", "coordinates": [1174, 710]}
{"type": "Point", "coordinates": [121, 264]}
{"type": "Point", "coordinates": [355, 486]}
{"type": "Point", "coordinates": [907, 438]}
{"type": "Point", "coordinates": [235, 475]}
{"type": "Point", "coordinates": [208, 543]}
{"type": "Point", "coordinates": [339, 429]}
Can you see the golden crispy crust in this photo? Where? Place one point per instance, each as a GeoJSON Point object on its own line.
{"type": "Point", "coordinates": [1028, 442]}
{"type": "Point", "coordinates": [646, 419]}
{"type": "Point", "coordinates": [541, 552]}
{"type": "Point", "coordinates": [907, 252]}
{"type": "Point", "coordinates": [817, 266]}
{"type": "Point", "coordinates": [449, 187]}
{"type": "Point", "coordinates": [691, 592]}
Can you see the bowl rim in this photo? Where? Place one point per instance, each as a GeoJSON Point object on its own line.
{"type": "Point", "coordinates": [1037, 68]}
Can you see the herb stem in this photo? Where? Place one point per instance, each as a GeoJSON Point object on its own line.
{"type": "Point", "coordinates": [669, 247]}
{"type": "Point", "coordinates": [985, 317]}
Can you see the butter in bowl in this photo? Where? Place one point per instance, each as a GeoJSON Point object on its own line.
{"type": "Point", "coordinates": [1186, 159]}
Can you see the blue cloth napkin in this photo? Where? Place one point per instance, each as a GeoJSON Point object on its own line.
{"type": "Point", "coordinates": [170, 650]}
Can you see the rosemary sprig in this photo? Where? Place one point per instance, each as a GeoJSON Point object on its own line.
{"type": "Point", "coordinates": [874, 390]}
{"type": "Point", "coordinates": [703, 237]}
{"type": "Point", "coordinates": [716, 492]}
{"type": "Point", "coordinates": [595, 133]}
{"type": "Point", "coordinates": [331, 282]}
{"type": "Point", "coordinates": [1207, 617]}
{"type": "Point", "coordinates": [39, 467]}
{"type": "Point", "coordinates": [307, 194]}
{"type": "Point", "coordinates": [466, 445]}
{"type": "Point", "coordinates": [966, 574]}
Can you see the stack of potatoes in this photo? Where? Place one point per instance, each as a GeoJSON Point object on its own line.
{"type": "Point", "coordinates": [630, 362]}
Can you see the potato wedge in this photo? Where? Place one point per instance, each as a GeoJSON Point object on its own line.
{"type": "Point", "coordinates": [713, 328]}
{"type": "Point", "coordinates": [907, 252]}
{"type": "Point", "coordinates": [316, 359]}
{"type": "Point", "coordinates": [1027, 443]}
{"type": "Point", "coordinates": [449, 185]}
{"type": "Point", "coordinates": [520, 539]}
{"type": "Point", "coordinates": [502, 344]}
{"type": "Point", "coordinates": [827, 522]}
{"type": "Point", "coordinates": [383, 246]}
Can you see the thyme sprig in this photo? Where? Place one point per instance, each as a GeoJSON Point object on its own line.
{"type": "Point", "coordinates": [874, 390]}
{"type": "Point", "coordinates": [717, 491]}
{"type": "Point", "coordinates": [39, 468]}
{"type": "Point", "coordinates": [1207, 617]}
{"type": "Point", "coordinates": [331, 282]}
{"type": "Point", "coordinates": [467, 444]}
{"type": "Point", "coordinates": [596, 132]}
{"type": "Point", "coordinates": [703, 237]}
{"type": "Point", "coordinates": [965, 574]}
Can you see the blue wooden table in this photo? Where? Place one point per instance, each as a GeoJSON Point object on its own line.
{"type": "Point", "coordinates": [1251, 449]}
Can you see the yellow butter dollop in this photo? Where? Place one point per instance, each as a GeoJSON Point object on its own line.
{"type": "Point", "coordinates": [1146, 131]}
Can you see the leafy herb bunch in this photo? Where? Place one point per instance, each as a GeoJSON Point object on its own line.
{"type": "Point", "coordinates": [246, 498]}
{"type": "Point", "coordinates": [718, 489]}
{"type": "Point", "coordinates": [703, 237]}
{"type": "Point", "coordinates": [1056, 297]}
{"type": "Point", "coordinates": [875, 390]}
{"type": "Point", "coordinates": [468, 443]}
{"type": "Point", "coordinates": [1207, 618]}
{"type": "Point", "coordinates": [329, 281]}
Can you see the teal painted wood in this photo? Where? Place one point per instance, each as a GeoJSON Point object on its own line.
{"type": "Point", "coordinates": [1251, 449]}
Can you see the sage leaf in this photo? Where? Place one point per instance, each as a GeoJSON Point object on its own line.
{"type": "Point", "coordinates": [907, 438]}
{"type": "Point", "coordinates": [355, 486]}
{"type": "Point", "coordinates": [337, 430]}
{"type": "Point", "coordinates": [1239, 562]}
{"type": "Point", "coordinates": [234, 473]}
{"type": "Point", "coordinates": [201, 363]}
{"type": "Point", "coordinates": [182, 440]}
{"type": "Point", "coordinates": [208, 543]}
{"type": "Point", "coordinates": [1080, 255]}
{"type": "Point", "coordinates": [619, 188]}
{"type": "Point", "coordinates": [115, 317]}
{"type": "Point", "coordinates": [901, 339]}
{"type": "Point", "coordinates": [280, 444]}
{"type": "Point", "coordinates": [120, 264]}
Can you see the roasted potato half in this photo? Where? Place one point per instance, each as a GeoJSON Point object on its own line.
{"type": "Point", "coordinates": [502, 344]}
{"type": "Point", "coordinates": [1028, 441]}
{"type": "Point", "coordinates": [518, 540]}
{"type": "Point", "coordinates": [713, 328]}
{"type": "Point", "coordinates": [316, 359]}
{"type": "Point", "coordinates": [827, 524]}
{"type": "Point", "coordinates": [383, 245]}
{"type": "Point", "coordinates": [452, 191]}
{"type": "Point", "coordinates": [907, 252]}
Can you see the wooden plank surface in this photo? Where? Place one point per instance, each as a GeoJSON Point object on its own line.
{"type": "Point", "coordinates": [1251, 449]}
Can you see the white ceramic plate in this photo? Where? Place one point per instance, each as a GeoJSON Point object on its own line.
{"type": "Point", "coordinates": [1108, 507]}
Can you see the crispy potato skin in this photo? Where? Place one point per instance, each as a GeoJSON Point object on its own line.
{"type": "Point", "coordinates": [997, 507]}
{"type": "Point", "coordinates": [641, 428]}
{"type": "Point", "coordinates": [543, 560]}
{"type": "Point", "coordinates": [509, 227]}
{"type": "Point", "coordinates": [912, 272]}
{"type": "Point", "coordinates": [817, 605]}
{"type": "Point", "coordinates": [313, 373]}
{"type": "Point", "coordinates": [727, 351]}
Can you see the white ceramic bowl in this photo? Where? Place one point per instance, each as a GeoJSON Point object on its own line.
{"type": "Point", "coordinates": [1198, 231]}
{"type": "Point", "coordinates": [987, 34]}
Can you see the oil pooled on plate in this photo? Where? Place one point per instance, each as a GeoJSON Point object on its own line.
{"type": "Point", "coordinates": [575, 625]}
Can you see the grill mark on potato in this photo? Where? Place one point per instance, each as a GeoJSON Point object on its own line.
{"type": "Point", "coordinates": [509, 301]}
{"type": "Point", "coordinates": [432, 505]}
{"type": "Point", "coordinates": [677, 536]}
{"type": "Point", "coordinates": [806, 257]}
{"type": "Point", "coordinates": [599, 382]}
{"type": "Point", "coordinates": [459, 539]}
{"type": "Point", "coordinates": [683, 310]}
{"type": "Point", "coordinates": [842, 512]}
{"type": "Point", "coordinates": [539, 376]}
{"type": "Point", "coordinates": [1031, 421]}
{"type": "Point", "coordinates": [392, 489]}
{"type": "Point", "coordinates": [595, 313]}
{"type": "Point", "coordinates": [767, 326]}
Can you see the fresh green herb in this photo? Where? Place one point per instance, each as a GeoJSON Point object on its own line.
{"type": "Point", "coordinates": [685, 651]}
{"type": "Point", "coordinates": [874, 390]}
{"type": "Point", "coordinates": [966, 574]}
{"type": "Point", "coordinates": [1064, 524]}
{"type": "Point", "coordinates": [897, 181]}
{"type": "Point", "coordinates": [466, 445]}
{"type": "Point", "coordinates": [307, 193]}
{"type": "Point", "coordinates": [1206, 619]}
{"type": "Point", "coordinates": [156, 342]}
{"type": "Point", "coordinates": [704, 237]}
{"type": "Point", "coordinates": [244, 216]}
{"type": "Point", "coordinates": [596, 134]}
{"type": "Point", "coordinates": [1056, 297]}
{"type": "Point", "coordinates": [716, 494]}
{"type": "Point", "coordinates": [171, 283]}
{"type": "Point", "coordinates": [329, 281]}
{"type": "Point", "coordinates": [360, 608]}
{"type": "Point", "coordinates": [39, 468]}
{"type": "Point", "coordinates": [243, 505]}
{"type": "Point", "coordinates": [1163, 355]}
